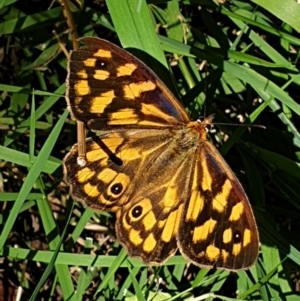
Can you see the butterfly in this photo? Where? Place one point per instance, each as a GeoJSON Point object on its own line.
{"type": "Point", "coordinates": [152, 166]}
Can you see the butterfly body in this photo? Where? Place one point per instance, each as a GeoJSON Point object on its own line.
{"type": "Point", "coordinates": [153, 166]}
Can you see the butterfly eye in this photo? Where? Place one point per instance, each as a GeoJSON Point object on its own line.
{"type": "Point", "coordinates": [237, 237]}
{"type": "Point", "coordinates": [116, 188]}
{"type": "Point", "coordinates": [137, 211]}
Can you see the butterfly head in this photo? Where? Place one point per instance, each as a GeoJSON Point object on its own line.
{"type": "Point", "coordinates": [201, 126]}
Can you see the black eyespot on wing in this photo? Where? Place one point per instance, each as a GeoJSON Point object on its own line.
{"type": "Point", "coordinates": [237, 237]}
{"type": "Point", "coordinates": [117, 188]}
{"type": "Point", "coordinates": [101, 64]}
{"type": "Point", "coordinates": [137, 211]}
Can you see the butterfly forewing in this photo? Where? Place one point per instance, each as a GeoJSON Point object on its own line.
{"type": "Point", "coordinates": [151, 165]}
{"type": "Point", "coordinates": [217, 227]}
{"type": "Point", "coordinates": [108, 88]}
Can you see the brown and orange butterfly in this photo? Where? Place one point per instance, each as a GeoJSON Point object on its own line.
{"type": "Point", "coordinates": [154, 167]}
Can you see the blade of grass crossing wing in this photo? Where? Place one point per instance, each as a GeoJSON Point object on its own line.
{"type": "Point", "coordinates": [135, 27]}
{"type": "Point", "coordinates": [136, 30]}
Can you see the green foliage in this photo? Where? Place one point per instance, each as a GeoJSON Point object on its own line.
{"type": "Point", "coordinates": [237, 60]}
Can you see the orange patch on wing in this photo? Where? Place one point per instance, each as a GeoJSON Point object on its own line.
{"type": "Point", "coordinates": [130, 154]}
{"type": "Point", "coordinates": [247, 237]}
{"type": "Point", "coordinates": [82, 74]}
{"type": "Point", "coordinates": [102, 53]}
{"type": "Point", "coordinates": [151, 123]}
{"type": "Point", "coordinates": [201, 232]}
{"type": "Point", "coordinates": [135, 237]}
{"type": "Point", "coordinates": [171, 226]}
{"type": "Point", "coordinates": [107, 175]}
{"type": "Point", "coordinates": [196, 201]}
{"type": "Point", "coordinates": [212, 252]}
{"type": "Point", "coordinates": [227, 236]}
{"type": "Point", "coordinates": [225, 255]}
{"type": "Point", "coordinates": [170, 198]}
{"type": "Point", "coordinates": [126, 69]}
{"type": "Point", "coordinates": [91, 190]}
{"type": "Point", "coordinates": [89, 62]}
{"type": "Point", "coordinates": [220, 200]}
{"type": "Point", "coordinates": [101, 74]}
{"type": "Point", "coordinates": [84, 174]}
{"type": "Point", "coordinates": [123, 116]}
{"type": "Point", "coordinates": [100, 103]}
{"type": "Point", "coordinates": [77, 101]}
{"type": "Point", "coordinates": [236, 212]}
{"type": "Point", "coordinates": [82, 88]}
{"type": "Point", "coordinates": [97, 153]}
{"type": "Point", "coordinates": [236, 249]}
{"type": "Point", "coordinates": [149, 243]}
{"type": "Point", "coordinates": [207, 179]}
{"type": "Point", "coordinates": [149, 220]}
{"type": "Point", "coordinates": [151, 109]}
{"type": "Point", "coordinates": [134, 90]}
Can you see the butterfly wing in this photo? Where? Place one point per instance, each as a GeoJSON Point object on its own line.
{"type": "Point", "coordinates": [115, 163]}
{"type": "Point", "coordinates": [140, 175]}
{"type": "Point", "coordinates": [148, 224]}
{"type": "Point", "coordinates": [217, 227]}
{"type": "Point", "coordinates": [108, 88]}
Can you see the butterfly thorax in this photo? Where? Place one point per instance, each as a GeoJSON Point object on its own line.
{"type": "Point", "coordinates": [198, 127]}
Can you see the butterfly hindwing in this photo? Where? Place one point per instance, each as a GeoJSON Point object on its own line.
{"type": "Point", "coordinates": [148, 224]}
{"type": "Point", "coordinates": [121, 175]}
{"type": "Point", "coordinates": [114, 164]}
